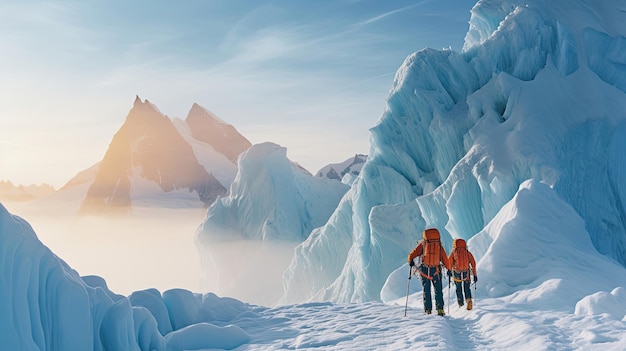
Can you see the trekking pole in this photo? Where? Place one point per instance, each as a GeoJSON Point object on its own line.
{"type": "Point", "coordinates": [406, 305]}
{"type": "Point", "coordinates": [475, 293]}
{"type": "Point", "coordinates": [449, 294]}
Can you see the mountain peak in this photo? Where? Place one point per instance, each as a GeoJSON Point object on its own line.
{"type": "Point", "coordinates": [210, 129]}
{"type": "Point", "coordinates": [145, 105]}
{"type": "Point", "coordinates": [198, 110]}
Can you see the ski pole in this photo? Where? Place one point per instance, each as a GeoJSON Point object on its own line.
{"type": "Point", "coordinates": [406, 305]}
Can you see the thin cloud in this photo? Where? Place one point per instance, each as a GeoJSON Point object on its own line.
{"type": "Point", "coordinates": [387, 14]}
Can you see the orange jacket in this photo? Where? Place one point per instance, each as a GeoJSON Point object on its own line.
{"type": "Point", "coordinates": [419, 251]}
{"type": "Point", "coordinates": [458, 246]}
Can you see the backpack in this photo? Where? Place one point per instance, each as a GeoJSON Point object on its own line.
{"type": "Point", "coordinates": [432, 248]}
{"type": "Point", "coordinates": [460, 256]}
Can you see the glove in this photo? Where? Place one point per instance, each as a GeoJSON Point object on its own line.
{"type": "Point", "coordinates": [475, 279]}
{"type": "Point", "coordinates": [411, 263]}
{"type": "Point", "coordinates": [449, 274]}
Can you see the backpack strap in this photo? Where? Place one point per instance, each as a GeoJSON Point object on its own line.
{"type": "Point", "coordinates": [463, 276]}
{"type": "Point", "coordinates": [427, 276]}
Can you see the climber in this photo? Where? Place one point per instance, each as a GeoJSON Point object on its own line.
{"type": "Point", "coordinates": [432, 254]}
{"type": "Point", "coordinates": [463, 263]}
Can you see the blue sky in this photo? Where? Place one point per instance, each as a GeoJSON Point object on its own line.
{"type": "Point", "coordinates": [312, 76]}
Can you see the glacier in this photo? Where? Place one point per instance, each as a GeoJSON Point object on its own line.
{"type": "Point", "coordinates": [271, 198]}
{"type": "Point", "coordinates": [273, 205]}
{"type": "Point", "coordinates": [47, 306]}
{"type": "Point", "coordinates": [536, 94]}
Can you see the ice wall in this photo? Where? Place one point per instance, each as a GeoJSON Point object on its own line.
{"type": "Point", "coordinates": [271, 199]}
{"type": "Point", "coordinates": [46, 305]}
{"type": "Point", "coordinates": [537, 93]}
{"type": "Point", "coordinates": [536, 251]}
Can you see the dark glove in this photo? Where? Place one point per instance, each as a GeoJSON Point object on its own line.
{"type": "Point", "coordinates": [411, 263]}
{"type": "Point", "coordinates": [449, 274]}
{"type": "Point", "coordinates": [475, 279]}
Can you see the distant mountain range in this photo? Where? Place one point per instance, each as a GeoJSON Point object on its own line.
{"type": "Point", "coordinates": [157, 161]}
{"type": "Point", "coordinates": [154, 160]}
{"type": "Point", "coordinates": [10, 192]}
{"type": "Point", "coordinates": [338, 171]}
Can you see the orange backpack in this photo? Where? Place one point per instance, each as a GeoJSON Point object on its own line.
{"type": "Point", "coordinates": [460, 256]}
{"type": "Point", "coordinates": [432, 248]}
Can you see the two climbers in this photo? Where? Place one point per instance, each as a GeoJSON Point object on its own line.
{"type": "Point", "coordinates": [432, 255]}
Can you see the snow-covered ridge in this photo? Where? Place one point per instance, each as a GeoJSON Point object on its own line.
{"type": "Point", "coordinates": [10, 192]}
{"type": "Point", "coordinates": [350, 168]}
{"type": "Point", "coordinates": [536, 94]}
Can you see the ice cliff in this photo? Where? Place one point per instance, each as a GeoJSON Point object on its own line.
{"type": "Point", "coordinates": [538, 93]}
{"type": "Point", "coordinates": [46, 305]}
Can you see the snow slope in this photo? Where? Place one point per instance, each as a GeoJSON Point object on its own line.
{"type": "Point", "coordinates": [538, 94]}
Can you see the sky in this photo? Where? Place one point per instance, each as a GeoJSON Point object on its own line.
{"type": "Point", "coordinates": [312, 76]}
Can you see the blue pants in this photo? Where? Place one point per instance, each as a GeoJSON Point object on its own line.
{"type": "Point", "coordinates": [435, 274]}
{"type": "Point", "coordinates": [462, 286]}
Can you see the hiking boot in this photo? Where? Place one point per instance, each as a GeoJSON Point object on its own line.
{"type": "Point", "coordinates": [427, 311]}
{"type": "Point", "coordinates": [469, 304]}
{"type": "Point", "coordinates": [460, 303]}
{"type": "Point", "coordinates": [441, 312]}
